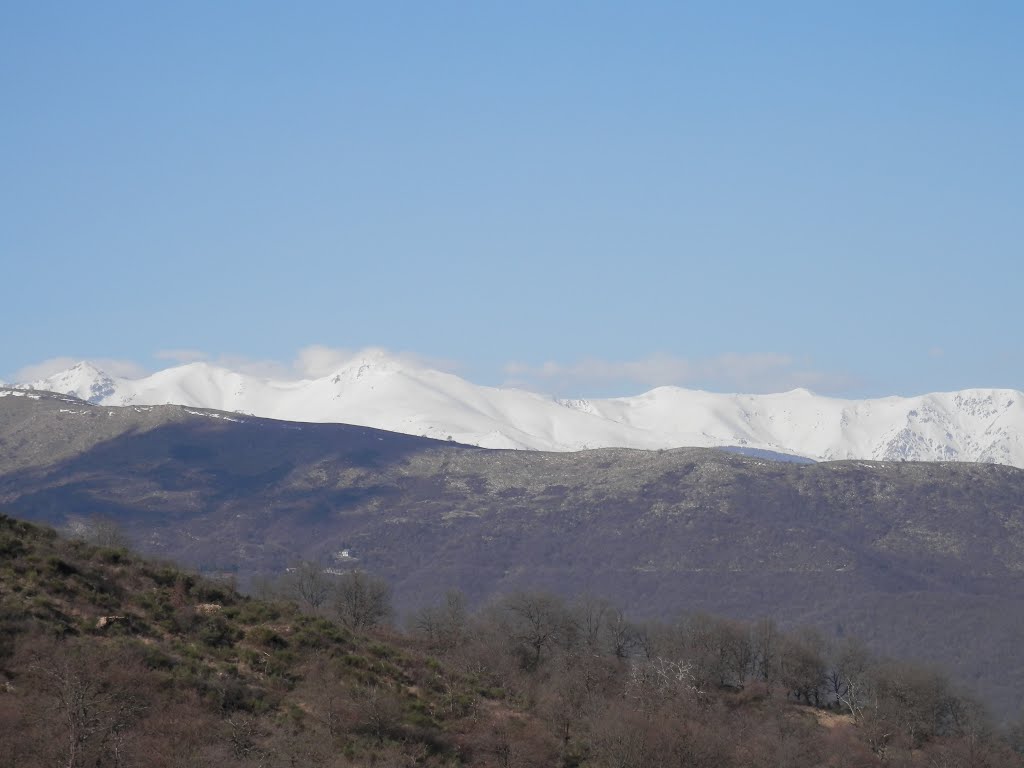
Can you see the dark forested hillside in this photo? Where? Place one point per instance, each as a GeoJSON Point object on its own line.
{"type": "Point", "coordinates": [921, 560]}
{"type": "Point", "coordinates": [110, 660]}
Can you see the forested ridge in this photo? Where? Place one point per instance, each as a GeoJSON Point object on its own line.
{"type": "Point", "coordinates": [108, 659]}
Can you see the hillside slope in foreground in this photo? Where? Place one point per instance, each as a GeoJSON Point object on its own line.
{"type": "Point", "coordinates": [107, 659]}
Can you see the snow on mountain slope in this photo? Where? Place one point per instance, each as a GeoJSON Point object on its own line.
{"type": "Point", "coordinates": [375, 390]}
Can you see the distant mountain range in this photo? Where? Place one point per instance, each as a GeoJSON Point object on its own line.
{"type": "Point", "coordinates": [375, 390]}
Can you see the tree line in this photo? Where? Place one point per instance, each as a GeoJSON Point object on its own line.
{"type": "Point", "coordinates": [109, 660]}
{"type": "Point", "coordinates": [596, 676]}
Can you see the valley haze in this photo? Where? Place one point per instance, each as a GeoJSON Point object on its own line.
{"type": "Point", "coordinates": [387, 392]}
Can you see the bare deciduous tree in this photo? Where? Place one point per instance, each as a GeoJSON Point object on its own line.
{"type": "Point", "coordinates": [849, 678]}
{"type": "Point", "coordinates": [535, 622]}
{"type": "Point", "coordinates": [362, 601]}
{"type": "Point", "coordinates": [802, 665]}
{"type": "Point", "coordinates": [379, 711]}
{"type": "Point", "coordinates": [91, 711]}
{"type": "Point", "coordinates": [443, 625]}
{"type": "Point", "coordinates": [309, 584]}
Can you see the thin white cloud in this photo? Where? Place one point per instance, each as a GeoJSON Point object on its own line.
{"type": "Point", "coordinates": [318, 360]}
{"type": "Point", "coordinates": [310, 362]}
{"type": "Point", "coordinates": [733, 372]}
{"type": "Point", "coordinates": [313, 361]}
{"type": "Point", "coordinates": [43, 369]}
{"type": "Point", "coordinates": [753, 373]}
{"type": "Point", "coordinates": [126, 369]}
{"type": "Point", "coordinates": [266, 369]}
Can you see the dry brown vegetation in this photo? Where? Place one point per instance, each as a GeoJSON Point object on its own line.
{"type": "Point", "coordinates": [107, 659]}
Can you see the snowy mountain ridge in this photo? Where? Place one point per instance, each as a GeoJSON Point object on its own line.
{"type": "Point", "coordinates": [376, 390]}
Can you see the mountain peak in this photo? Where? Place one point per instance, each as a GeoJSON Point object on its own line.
{"type": "Point", "coordinates": [83, 380]}
{"type": "Point", "coordinates": [374, 388]}
{"type": "Point", "coordinates": [82, 371]}
{"type": "Point", "coordinates": [801, 392]}
{"type": "Point", "coordinates": [366, 363]}
{"type": "Point", "coordinates": [85, 368]}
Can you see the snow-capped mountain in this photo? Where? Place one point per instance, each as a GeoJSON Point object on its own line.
{"type": "Point", "coordinates": [375, 390]}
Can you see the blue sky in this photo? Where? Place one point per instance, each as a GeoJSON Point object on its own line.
{"type": "Point", "coordinates": [585, 198]}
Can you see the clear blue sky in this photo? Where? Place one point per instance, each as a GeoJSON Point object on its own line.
{"type": "Point", "coordinates": [730, 195]}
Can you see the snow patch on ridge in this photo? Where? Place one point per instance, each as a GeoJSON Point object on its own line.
{"type": "Point", "coordinates": [376, 390]}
